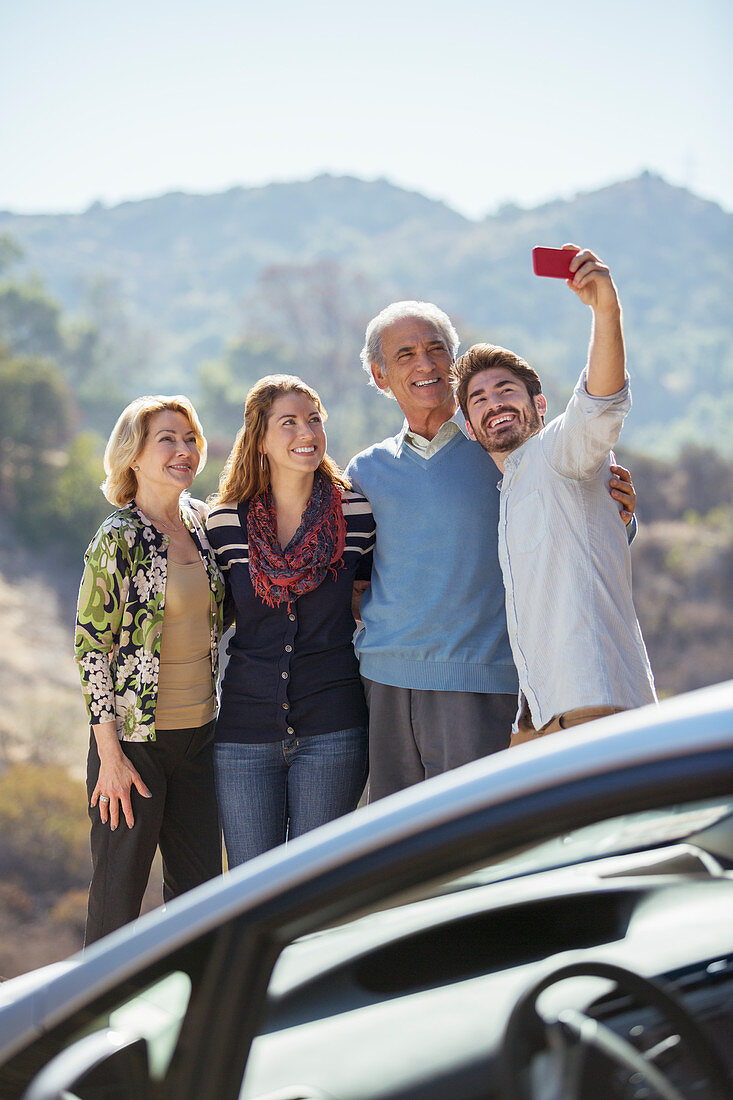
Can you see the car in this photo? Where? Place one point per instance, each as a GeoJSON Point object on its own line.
{"type": "Point", "coordinates": [554, 921]}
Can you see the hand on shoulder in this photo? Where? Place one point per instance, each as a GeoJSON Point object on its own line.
{"type": "Point", "coordinates": [200, 507]}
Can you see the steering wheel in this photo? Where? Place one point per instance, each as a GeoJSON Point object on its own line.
{"type": "Point", "coordinates": [526, 1033]}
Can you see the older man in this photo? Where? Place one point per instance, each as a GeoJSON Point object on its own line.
{"type": "Point", "coordinates": [434, 652]}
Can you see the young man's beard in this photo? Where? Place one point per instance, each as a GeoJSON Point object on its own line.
{"type": "Point", "coordinates": [519, 432]}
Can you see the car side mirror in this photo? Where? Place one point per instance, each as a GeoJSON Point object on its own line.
{"type": "Point", "coordinates": [108, 1064]}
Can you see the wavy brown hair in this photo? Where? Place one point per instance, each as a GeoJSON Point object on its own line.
{"type": "Point", "coordinates": [483, 357]}
{"type": "Point", "coordinates": [128, 437]}
{"type": "Point", "coordinates": [244, 475]}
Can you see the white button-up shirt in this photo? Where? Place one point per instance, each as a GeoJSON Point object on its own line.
{"type": "Point", "coordinates": [566, 563]}
{"type": "Point", "coordinates": [426, 448]}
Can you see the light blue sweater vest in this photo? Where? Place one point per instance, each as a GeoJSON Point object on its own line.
{"type": "Point", "coordinates": [434, 615]}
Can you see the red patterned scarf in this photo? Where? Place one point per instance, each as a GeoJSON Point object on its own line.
{"type": "Point", "coordinates": [280, 576]}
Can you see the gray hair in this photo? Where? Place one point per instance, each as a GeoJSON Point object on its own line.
{"type": "Point", "coordinates": [372, 351]}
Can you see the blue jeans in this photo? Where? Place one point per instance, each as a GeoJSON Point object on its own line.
{"type": "Point", "coordinates": [272, 792]}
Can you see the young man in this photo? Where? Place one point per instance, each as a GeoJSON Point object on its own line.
{"type": "Point", "coordinates": [564, 556]}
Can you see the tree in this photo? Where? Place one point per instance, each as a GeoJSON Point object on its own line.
{"type": "Point", "coordinates": [10, 252]}
{"type": "Point", "coordinates": [108, 356]}
{"type": "Point", "coordinates": [223, 385]}
{"type": "Point", "coordinates": [319, 309]}
{"type": "Point", "coordinates": [58, 503]}
{"type": "Point", "coordinates": [36, 412]}
{"type": "Point", "coordinates": [316, 315]}
{"type": "Point", "coordinates": [30, 322]}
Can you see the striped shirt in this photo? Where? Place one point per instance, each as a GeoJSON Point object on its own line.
{"type": "Point", "coordinates": [292, 671]}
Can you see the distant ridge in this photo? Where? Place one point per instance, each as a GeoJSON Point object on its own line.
{"type": "Point", "coordinates": [339, 182]}
{"type": "Point", "coordinates": [186, 264]}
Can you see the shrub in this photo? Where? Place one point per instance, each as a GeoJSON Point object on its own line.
{"type": "Point", "coordinates": [43, 829]}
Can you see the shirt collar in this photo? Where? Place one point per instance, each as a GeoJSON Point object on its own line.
{"type": "Point", "coordinates": [458, 419]}
{"type": "Point", "coordinates": [400, 439]}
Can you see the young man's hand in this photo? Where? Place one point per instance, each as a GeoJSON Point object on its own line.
{"type": "Point", "coordinates": [592, 281]}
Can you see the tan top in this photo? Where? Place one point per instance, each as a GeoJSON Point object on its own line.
{"type": "Point", "coordinates": [185, 683]}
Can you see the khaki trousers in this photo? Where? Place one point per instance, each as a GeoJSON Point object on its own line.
{"type": "Point", "coordinates": [527, 732]}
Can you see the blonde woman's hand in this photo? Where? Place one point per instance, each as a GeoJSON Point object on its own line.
{"type": "Point", "coordinates": [117, 777]}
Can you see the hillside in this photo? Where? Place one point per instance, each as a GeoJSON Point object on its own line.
{"type": "Point", "coordinates": [301, 267]}
{"type": "Point", "coordinates": [207, 293]}
{"type": "Point", "coordinates": [43, 718]}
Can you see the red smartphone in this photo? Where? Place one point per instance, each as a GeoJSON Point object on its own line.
{"type": "Point", "coordinates": [553, 262]}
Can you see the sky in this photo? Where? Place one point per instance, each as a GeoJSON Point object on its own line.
{"type": "Point", "coordinates": [474, 102]}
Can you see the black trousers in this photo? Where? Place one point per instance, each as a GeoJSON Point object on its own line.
{"type": "Point", "coordinates": [416, 734]}
{"type": "Point", "coordinates": [181, 817]}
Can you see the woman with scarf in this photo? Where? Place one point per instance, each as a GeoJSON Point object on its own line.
{"type": "Point", "coordinates": [291, 538]}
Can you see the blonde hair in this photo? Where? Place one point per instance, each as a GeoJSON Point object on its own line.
{"type": "Point", "coordinates": [246, 472]}
{"type": "Point", "coordinates": [127, 440]}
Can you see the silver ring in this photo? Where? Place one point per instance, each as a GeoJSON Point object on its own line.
{"type": "Point", "coordinates": [104, 798]}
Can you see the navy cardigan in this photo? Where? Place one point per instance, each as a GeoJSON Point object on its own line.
{"type": "Point", "coordinates": [292, 671]}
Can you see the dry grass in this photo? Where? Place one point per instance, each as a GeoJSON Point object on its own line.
{"type": "Point", "coordinates": [43, 721]}
{"type": "Point", "coordinates": [43, 718]}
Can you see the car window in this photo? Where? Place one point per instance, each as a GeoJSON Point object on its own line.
{"type": "Point", "coordinates": [156, 1015]}
{"type": "Point", "coordinates": [150, 1005]}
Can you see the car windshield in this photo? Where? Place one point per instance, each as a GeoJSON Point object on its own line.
{"type": "Point", "coordinates": [705, 828]}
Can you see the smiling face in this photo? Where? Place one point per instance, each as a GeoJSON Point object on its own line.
{"type": "Point", "coordinates": [417, 369]}
{"type": "Point", "coordinates": [295, 439]}
{"type": "Point", "coordinates": [170, 458]}
{"type": "Point", "coordinates": [501, 414]}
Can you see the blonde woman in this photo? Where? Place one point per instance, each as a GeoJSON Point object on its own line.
{"type": "Point", "coordinates": [291, 538]}
{"type": "Point", "coordinates": [149, 621]}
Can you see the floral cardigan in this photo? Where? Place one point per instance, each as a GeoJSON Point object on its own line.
{"type": "Point", "coordinates": [120, 616]}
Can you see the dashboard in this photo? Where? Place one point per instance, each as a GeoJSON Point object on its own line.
{"type": "Point", "coordinates": [452, 995]}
